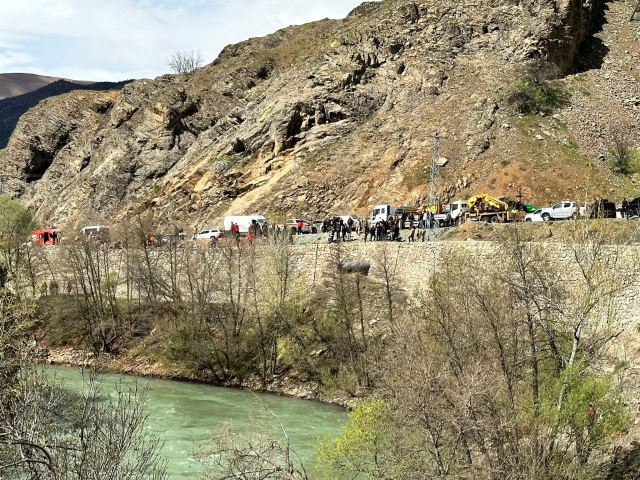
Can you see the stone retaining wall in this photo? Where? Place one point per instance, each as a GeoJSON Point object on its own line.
{"type": "Point", "coordinates": [412, 265]}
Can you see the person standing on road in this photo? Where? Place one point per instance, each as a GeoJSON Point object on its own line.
{"type": "Point", "coordinates": [300, 225]}
{"type": "Point", "coordinates": [250, 238]}
{"type": "Point", "coordinates": [625, 208]}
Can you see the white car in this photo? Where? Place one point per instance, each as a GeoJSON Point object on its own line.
{"type": "Point", "coordinates": [563, 210]}
{"type": "Point", "coordinates": [534, 216]}
{"type": "Point", "coordinates": [208, 234]}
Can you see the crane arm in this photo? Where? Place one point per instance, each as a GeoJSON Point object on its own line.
{"type": "Point", "coordinates": [476, 202]}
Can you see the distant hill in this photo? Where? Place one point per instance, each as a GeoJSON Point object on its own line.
{"type": "Point", "coordinates": [11, 109]}
{"type": "Point", "coordinates": [14, 84]}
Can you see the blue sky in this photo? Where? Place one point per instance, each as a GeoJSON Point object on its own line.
{"type": "Point", "coordinates": [122, 39]}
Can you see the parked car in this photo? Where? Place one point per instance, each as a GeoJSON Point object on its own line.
{"type": "Point", "coordinates": [179, 237]}
{"type": "Point", "coordinates": [634, 207]}
{"type": "Point", "coordinates": [603, 208]}
{"type": "Point", "coordinates": [292, 226]}
{"type": "Point", "coordinates": [534, 216]}
{"type": "Point", "coordinates": [563, 210]}
{"type": "Point", "coordinates": [208, 234]}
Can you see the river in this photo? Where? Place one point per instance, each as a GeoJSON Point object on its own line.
{"type": "Point", "coordinates": [185, 414]}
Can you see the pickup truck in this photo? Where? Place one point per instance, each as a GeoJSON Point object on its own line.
{"type": "Point", "coordinates": [561, 211]}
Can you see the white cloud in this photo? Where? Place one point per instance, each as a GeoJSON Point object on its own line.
{"type": "Point", "coordinates": [117, 39]}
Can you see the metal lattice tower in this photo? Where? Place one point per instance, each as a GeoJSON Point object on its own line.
{"type": "Point", "coordinates": [434, 180]}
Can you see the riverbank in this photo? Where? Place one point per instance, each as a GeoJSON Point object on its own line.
{"type": "Point", "coordinates": [139, 366]}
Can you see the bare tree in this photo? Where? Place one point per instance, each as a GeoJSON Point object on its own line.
{"type": "Point", "coordinates": [260, 453]}
{"type": "Point", "coordinates": [47, 433]}
{"type": "Point", "coordinates": [185, 62]}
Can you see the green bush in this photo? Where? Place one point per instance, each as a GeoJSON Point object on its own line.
{"type": "Point", "coordinates": [622, 156]}
{"type": "Point", "coordinates": [531, 96]}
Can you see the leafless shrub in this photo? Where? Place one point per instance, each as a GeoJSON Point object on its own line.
{"type": "Point", "coordinates": [261, 452]}
{"type": "Point", "coordinates": [185, 62]}
{"type": "Point", "coordinates": [47, 433]}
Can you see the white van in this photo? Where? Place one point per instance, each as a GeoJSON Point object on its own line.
{"type": "Point", "coordinates": [100, 233]}
{"type": "Point", "coordinates": [243, 222]}
{"type": "Point", "coordinates": [382, 212]}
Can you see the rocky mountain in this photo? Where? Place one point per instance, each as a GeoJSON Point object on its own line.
{"type": "Point", "coordinates": [11, 109]}
{"type": "Point", "coordinates": [334, 117]}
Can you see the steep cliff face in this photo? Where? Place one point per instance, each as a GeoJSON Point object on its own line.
{"type": "Point", "coordinates": [322, 118]}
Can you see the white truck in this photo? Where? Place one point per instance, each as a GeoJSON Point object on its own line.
{"type": "Point", "coordinates": [382, 212]}
{"type": "Point", "coordinates": [452, 214]}
{"type": "Point", "coordinates": [243, 222]}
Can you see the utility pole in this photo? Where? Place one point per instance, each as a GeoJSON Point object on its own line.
{"type": "Point", "coordinates": [434, 180]}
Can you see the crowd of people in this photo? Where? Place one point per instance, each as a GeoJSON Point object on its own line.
{"type": "Point", "coordinates": [388, 229]}
{"type": "Point", "coordinates": [347, 227]}
{"type": "Point", "coordinates": [336, 228]}
{"type": "Point", "coordinates": [255, 229]}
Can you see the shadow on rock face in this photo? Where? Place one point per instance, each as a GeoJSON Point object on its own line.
{"type": "Point", "coordinates": [591, 55]}
{"type": "Point", "coordinates": [593, 50]}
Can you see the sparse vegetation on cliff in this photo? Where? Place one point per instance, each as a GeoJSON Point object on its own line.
{"type": "Point", "coordinates": [532, 97]}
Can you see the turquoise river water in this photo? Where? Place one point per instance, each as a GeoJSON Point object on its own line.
{"type": "Point", "coordinates": [185, 414]}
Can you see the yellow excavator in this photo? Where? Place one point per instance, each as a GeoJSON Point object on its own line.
{"type": "Point", "coordinates": [485, 208]}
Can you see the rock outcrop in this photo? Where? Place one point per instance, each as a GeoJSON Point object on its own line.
{"type": "Point", "coordinates": [324, 118]}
